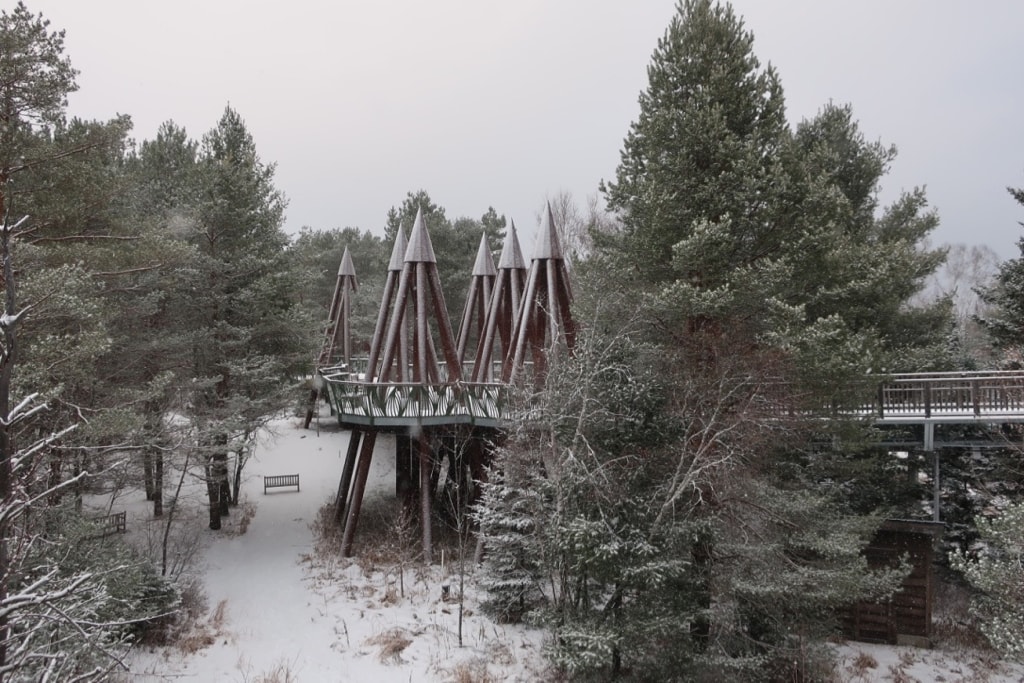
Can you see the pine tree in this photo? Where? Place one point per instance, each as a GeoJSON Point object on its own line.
{"type": "Point", "coordinates": [859, 265]}
{"type": "Point", "coordinates": [701, 163]}
{"type": "Point", "coordinates": [737, 223]}
{"type": "Point", "coordinates": [153, 326]}
{"type": "Point", "coordinates": [59, 216]}
{"type": "Point", "coordinates": [679, 511]}
{"type": "Point", "coordinates": [1004, 320]}
{"type": "Point", "coordinates": [241, 294]}
{"type": "Point", "coordinates": [997, 572]}
{"type": "Point", "coordinates": [513, 505]}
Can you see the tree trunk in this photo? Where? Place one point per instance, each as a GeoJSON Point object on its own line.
{"type": "Point", "coordinates": [147, 474]}
{"type": "Point", "coordinates": [158, 484]}
{"type": "Point", "coordinates": [53, 500]}
{"type": "Point", "coordinates": [7, 355]}
{"type": "Point", "coordinates": [79, 485]}
{"type": "Point", "coordinates": [213, 491]}
{"type": "Point", "coordinates": [701, 552]}
{"type": "Point", "coordinates": [217, 485]}
{"type": "Point", "coordinates": [170, 513]}
{"type": "Point", "coordinates": [224, 497]}
{"type": "Point", "coordinates": [236, 488]}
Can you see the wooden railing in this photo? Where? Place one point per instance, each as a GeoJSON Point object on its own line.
{"type": "Point", "coordinates": [937, 395]}
{"type": "Point", "coordinates": [926, 396]}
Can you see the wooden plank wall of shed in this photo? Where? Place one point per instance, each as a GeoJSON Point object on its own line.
{"type": "Point", "coordinates": [908, 614]}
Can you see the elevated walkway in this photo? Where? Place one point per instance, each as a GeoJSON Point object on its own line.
{"type": "Point", "coordinates": [929, 398]}
{"type": "Point", "coordinates": [986, 396]}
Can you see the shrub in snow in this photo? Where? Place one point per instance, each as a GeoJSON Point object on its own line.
{"type": "Point", "coordinates": [997, 572]}
{"type": "Point", "coordinates": [77, 600]}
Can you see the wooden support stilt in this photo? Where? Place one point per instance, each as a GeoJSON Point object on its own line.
{"type": "Point", "coordinates": [477, 467]}
{"type": "Point", "coordinates": [345, 484]}
{"type": "Point", "coordinates": [359, 487]}
{"type": "Point", "coordinates": [435, 474]}
{"type": "Point", "coordinates": [455, 478]}
{"type": "Point", "coordinates": [404, 478]}
{"type": "Point", "coordinates": [423, 446]}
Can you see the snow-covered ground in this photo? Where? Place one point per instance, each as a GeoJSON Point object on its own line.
{"type": "Point", "coordinates": [866, 662]}
{"type": "Point", "coordinates": [277, 612]}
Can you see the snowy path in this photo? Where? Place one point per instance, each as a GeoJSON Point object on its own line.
{"type": "Point", "coordinates": [284, 612]}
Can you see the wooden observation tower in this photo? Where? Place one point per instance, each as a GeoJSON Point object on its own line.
{"type": "Point", "coordinates": [338, 332]}
{"type": "Point", "coordinates": [443, 396]}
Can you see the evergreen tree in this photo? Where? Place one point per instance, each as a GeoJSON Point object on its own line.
{"type": "Point", "coordinates": [762, 277]}
{"type": "Point", "coordinates": [634, 514]}
{"type": "Point", "coordinates": [1004, 319]}
{"type": "Point", "coordinates": [153, 328]}
{"type": "Point", "coordinates": [250, 342]}
{"type": "Point", "coordinates": [701, 162]}
{"type": "Point", "coordinates": [735, 222]}
{"type": "Point", "coordinates": [856, 266]}
{"type": "Point", "coordinates": [59, 184]}
{"type": "Point", "coordinates": [997, 572]}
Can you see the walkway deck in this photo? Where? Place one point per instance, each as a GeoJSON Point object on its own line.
{"type": "Point", "coordinates": [918, 398]}
{"type": "Point", "coordinates": [358, 402]}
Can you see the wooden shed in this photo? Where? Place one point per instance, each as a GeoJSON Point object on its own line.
{"type": "Point", "coordinates": [906, 618]}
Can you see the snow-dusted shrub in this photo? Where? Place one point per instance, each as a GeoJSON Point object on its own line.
{"type": "Point", "coordinates": [997, 572]}
{"type": "Point", "coordinates": [136, 599]}
{"type": "Point", "coordinates": [76, 600]}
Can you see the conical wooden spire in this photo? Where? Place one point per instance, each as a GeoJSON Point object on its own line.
{"type": "Point", "coordinates": [484, 264]}
{"type": "Point", "coordinates": [418, 311]}
{"type": "Point", "coordinates": [545, 320]}
{"type": "Point", "coordinates": [474, 315]}
{"type": "Point", "coordinates": [398, 252]}
{"type": "Point", "coordinates": [387, 301]}
{"type": "Point", "coordinates": [511, 255]}
{"type": "Point", "coordinates": [338, 329]}
{"type": "Point", "coordinates": [503, 307]}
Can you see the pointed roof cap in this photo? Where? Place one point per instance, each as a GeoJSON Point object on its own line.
{"type": "Point", "coordinates": [398, 251]}
{"type": "Point", "coordinates": [484, 261]}
{"type": "Point", "coordinates": [347, 268]}
{"type": "Point", "coordinates": [511, 255]}
{"type": "Point", "coordinates": [420, 249]}
{"type": "Point", "coordinates": [548, 246]}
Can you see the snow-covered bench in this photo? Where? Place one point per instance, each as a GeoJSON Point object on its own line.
{"type": "Point", "coordinates": [116, 523]}
{"type": "Point", "coordinates": [280, 480]}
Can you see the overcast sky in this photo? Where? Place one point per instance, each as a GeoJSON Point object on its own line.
{"type": "Point", "coordinates": [496, 103]}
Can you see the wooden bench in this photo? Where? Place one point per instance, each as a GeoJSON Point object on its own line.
{"type": "Point", "coordinates": [280, 480]}
{"type": "Point", "coordinates": [107, 525]}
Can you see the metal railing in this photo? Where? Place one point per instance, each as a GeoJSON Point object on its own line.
{"type": "Point", "coordinates": [357, 400]}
